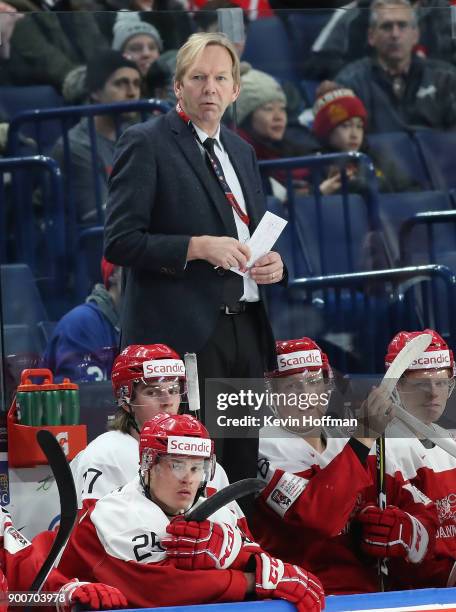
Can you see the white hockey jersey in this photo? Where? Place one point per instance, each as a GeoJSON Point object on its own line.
{"type": "Point", "coordinates": [118, 538]}
{"type": "Point", "coordinates": [112, 460]}
{"type": "Point", "coordinates": [433, 471]}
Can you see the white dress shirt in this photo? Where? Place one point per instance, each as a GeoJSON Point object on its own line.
{"type": "Point", "coordinates": [251, 293]}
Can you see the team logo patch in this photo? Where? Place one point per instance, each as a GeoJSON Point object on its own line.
{"type": "Point", "coordinates": [279, 498]}
{"type": "Point", "coordinates": [286, 491]}
{"type": "Point", "coordinates": [14, 541]}
{"type": "Point", "coordinates": [446, 508]}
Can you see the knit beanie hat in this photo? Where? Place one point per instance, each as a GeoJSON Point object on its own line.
{"type": "Point", "coordinates": [257, 88]}
{"type": "Point", "coordinates": [130, 24]}
{"type": "Point", "coordinates": [100, 67]}
{"type": "Point", "coordinates": [335, 107]}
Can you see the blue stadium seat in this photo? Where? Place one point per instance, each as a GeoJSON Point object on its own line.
{"type": "Point", "coordinates": [284, 312]}
{"type": "Point", "coordinates": [22, 302]}
{"type": "Point", "coordinates": [402, 149]}
{"type": "Point", "coordinates": [304, 26]}
{"type": "Point", "coordinates": [334, 237]}
{"type": "Point", "coordinates": [14, 100]}
{"type": "Point", "coordinates": [20, 339]}
{"type": "Point", "coordinates": [394, 209]}
{"type": "Point", "coordinates": [438, 149]}
{"type": "Point", "coordinates": [23, 309]}
{"type": "Point", "coordinates": [268, 48]}
{"type": "Point", "coordinates": [32, 216]}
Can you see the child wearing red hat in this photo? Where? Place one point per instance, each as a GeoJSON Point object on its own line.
{"type": "Point", "coordinates": [340, 122]}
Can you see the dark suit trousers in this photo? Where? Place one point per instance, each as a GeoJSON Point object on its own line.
{"type": "Point", "coordinates": [236, 349]}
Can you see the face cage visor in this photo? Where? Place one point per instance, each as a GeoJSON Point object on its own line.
{"type": "Point", "coordinates": [180, 465]}
{"type": "Point", "coordinates": [298, 387]}
{"type": "Point", "coordinates": [161, 389]}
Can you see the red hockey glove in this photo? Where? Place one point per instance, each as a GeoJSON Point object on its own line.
{"type": "Point", "coordinates": [95, 595]}
{"type": "Point", "coordinates": [205, 545]}
{"type": "Point", "coordinates": [278, 580]}
{"type": "Point", "coordinates": [392, 533]}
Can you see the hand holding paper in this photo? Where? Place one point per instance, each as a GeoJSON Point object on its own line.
{"type": "Point", "coordinates": [260, 244]}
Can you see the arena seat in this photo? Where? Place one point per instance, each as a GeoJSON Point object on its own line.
{"type": "Point", "coordinates": [402, 149]}
{"type": "Point", "coordinates": [304, 26]}
{"type": "Point", "coordinates": [336, 235]}
{"type": "Point", "coordinates": [438, 150]}
{"type": "Point", "coordinates": [395, 209]}
{"type": "Point", "coordinates": [23, 309]}
{"type": "Point", "coordinates": [14, 100]}
{"type": "Point", "coordinates": [331, 234]}
{"type": "Point", "coordinates": [268, 48]}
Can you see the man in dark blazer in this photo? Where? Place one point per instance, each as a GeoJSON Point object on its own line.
{"type": "Point", "coordinates": [177, 219]}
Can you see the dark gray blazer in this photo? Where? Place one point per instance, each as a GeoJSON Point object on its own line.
{"type": "Point", "coordinates": [160, 195]}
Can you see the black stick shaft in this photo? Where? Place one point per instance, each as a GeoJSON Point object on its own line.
{"type": "Point", "coordinates": [68, 502]}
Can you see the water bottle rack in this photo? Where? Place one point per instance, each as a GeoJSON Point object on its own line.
{"type": "Point", "coordinates": [42, 405]}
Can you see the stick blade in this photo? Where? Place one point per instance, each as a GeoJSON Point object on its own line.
{"type": "Point", "coordinates": [191, 373]}
{"type": "Point", "coordinates": [234, 491]}
{"type": "Point", "coordinates": [411, 351]}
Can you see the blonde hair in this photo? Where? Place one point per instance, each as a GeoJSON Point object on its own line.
{"type": "Point", "coordinates": [196, 44]}
{"type": "Point", "coordinates": [120, 422]}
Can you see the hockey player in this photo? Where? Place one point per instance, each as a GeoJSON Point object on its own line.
{"type": "Point", "coordinates": [423, 391]}
{"type": "Point", "coordinates": [319, 508]}
{"type": "Point", "coordinates": [20, 561]}
{"type": "Point", "coordinates": [124, 536]}
{"type": "Point", "coordinates": [146, 379]}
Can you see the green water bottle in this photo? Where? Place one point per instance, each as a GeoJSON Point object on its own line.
{"type": "Point", "coordinates": [51, 407]}
{"type": "Point", "coordinates": [24, 405]}
{"type": "Point", "coordinates": [37, 408]}
{"type": "Point", "coordinates": [70, 406]}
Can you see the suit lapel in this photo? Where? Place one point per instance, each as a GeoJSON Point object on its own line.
{"type": "Point", "coordinates": [187, 144]}
{"type": "Point", "coordinates": [241, 161]}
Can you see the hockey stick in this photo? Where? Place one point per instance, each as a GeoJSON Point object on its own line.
{"type": "Point", "coordinates": [68, 502]}
{"type": "Point", "coordinates": [382, 567]}
{"type": "Point", "coordinates": [411, 351]}
{"type": "Point", "coordinates": [238, 489]}
{"type": "Point", "coordinates": [446, 444]}
{"type": "Point", "coordinates": [191, 374]}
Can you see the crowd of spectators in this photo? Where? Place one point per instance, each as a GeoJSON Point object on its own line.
{"type": "Point", "coordinates": [375, 66]}
{"type": "Point", "coordinates": [377, 70]}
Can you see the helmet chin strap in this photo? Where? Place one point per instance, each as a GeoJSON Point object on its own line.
{"type": "Point", "coordinates": [132, 422]}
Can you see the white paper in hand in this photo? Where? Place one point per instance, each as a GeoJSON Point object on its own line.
{"type": "Point", "coordinates": [263, 238]}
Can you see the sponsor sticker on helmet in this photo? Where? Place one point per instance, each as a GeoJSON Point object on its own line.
{"type": "Point", "coordinates": [158, 368]}
{"type": "Point", "coordinates": [431, 359]}
{"type": "Point", "coordinates": [183, 445]}
{"type": "Point", "coordinates": [299, 359]}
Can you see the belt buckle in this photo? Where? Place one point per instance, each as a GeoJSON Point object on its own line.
{"type": "Point", "coordinates": [227, 311]}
